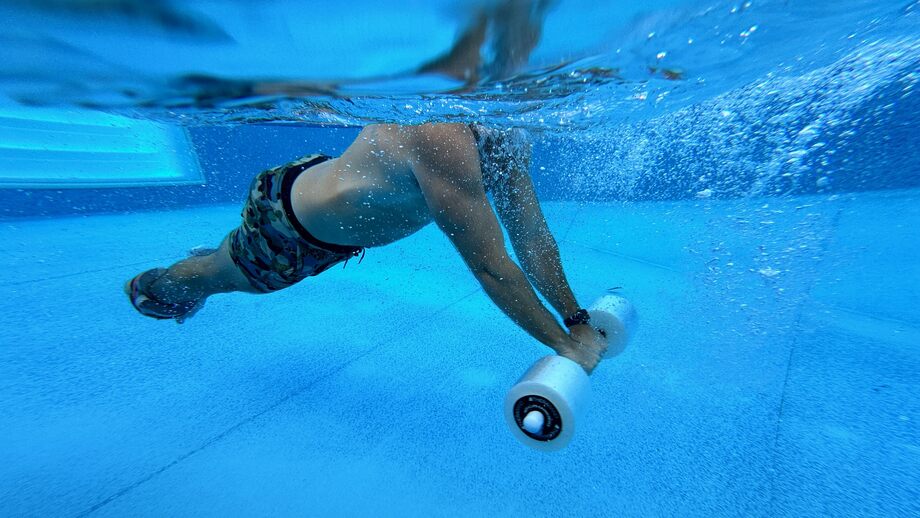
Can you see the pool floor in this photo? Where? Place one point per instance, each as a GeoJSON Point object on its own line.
{"type": "Point", "coordinates": [774, 373]}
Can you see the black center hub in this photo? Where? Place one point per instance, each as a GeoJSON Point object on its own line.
{"type": "Point", "coordinates": [552, 421]}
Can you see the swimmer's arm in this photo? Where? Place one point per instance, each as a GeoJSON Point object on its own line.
{"type": "Point", "coordinates": [534, 244]}
{"type": "Point", "coordinates": [460, 208]}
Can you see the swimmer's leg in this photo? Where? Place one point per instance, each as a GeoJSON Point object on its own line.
{"type": "Point", "coordinates": [180, 290]}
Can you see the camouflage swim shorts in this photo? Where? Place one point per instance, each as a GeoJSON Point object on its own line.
{"type": "Point", "coordinates": [271, 247]}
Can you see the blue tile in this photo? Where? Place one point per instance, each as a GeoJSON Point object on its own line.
{"type": "Point", "coordinates": [415, 428]}
{"type": "Point", "coordinates": [85, 377]}
{"type": "Point", "coordinates": [849, 443]}
{"type": "Point", "coordinates": [378, 388]}
{"type": "Point", "coordinates": [662, 234]}
{"type": "Point", "coordinates": [41, 249]}
{"type": "Point", "coordinates": [872, 263]}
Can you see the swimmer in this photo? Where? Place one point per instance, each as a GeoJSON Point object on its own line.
{"type": "Point", "coordinates": [304, 217]}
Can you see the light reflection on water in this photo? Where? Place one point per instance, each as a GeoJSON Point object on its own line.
{"type": "Point", "coordinates": [532, 63]}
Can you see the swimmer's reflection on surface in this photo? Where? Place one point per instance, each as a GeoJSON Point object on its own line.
{"type": "Point", "coordinates": [496, 45]}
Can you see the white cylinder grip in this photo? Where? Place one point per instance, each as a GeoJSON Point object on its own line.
{"type": "Point", "coordinates": [542, 408]}
{"type": "Point", "coordinates": [617, 317]}
{"type": "Point", "coordinates": [552, 393]}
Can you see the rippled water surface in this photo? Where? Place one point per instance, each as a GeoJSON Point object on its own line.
{"type": "Point", "coordinates": [535, 63]}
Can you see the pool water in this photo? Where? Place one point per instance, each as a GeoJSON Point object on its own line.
{"type": "Point", "coordinates": [377, 388]}
{"type": "Point", "coordinates": [760, 211]}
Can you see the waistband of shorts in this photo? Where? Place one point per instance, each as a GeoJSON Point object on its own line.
{"type": "Point", "coordinates": [287, 182]}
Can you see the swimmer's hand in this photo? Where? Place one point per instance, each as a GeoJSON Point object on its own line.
{"type": "Point", "coordinates": [586, 347]}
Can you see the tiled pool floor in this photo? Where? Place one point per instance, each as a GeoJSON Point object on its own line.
{"type": "Point", "coordinates": [775, 372]}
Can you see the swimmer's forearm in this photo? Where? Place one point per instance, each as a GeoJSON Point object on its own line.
{"type": "Point", "coordinates": [540, 259]}
{"type": "Point", "coordinates": [507, 286]}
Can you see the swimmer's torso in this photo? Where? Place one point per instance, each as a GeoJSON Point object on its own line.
{"type": "Point", "coordinates": [367, 197]}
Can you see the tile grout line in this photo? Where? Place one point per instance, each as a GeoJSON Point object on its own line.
{"type": "Point", "coordinates": [565, 235]}
{"type": "Point", "coordinates": [568, 229]}
{"type": "Point", "coordinates": [792, 347]}
{"type": "Point", "coordinates": [863, 314]}
{"type": "Point", "coordinates": [76, 274]}
{"type": "Point", "coordinates": [178, 257]}
{"type": "Point", "coordinates": [627, 257]}
{"type": "Point", "coordinates": [229, 431]}
{"type": "Point", "coordinates": [779, 419]}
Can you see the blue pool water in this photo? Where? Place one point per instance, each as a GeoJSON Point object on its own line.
{"type": "Point", "coordinates": [758, 204]}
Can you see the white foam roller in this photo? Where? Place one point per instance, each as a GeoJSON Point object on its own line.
{"type": "Point", "coordinates": [558, 389]}
{"type": "Point", "coordinates": [617, 317]}
{"type": "Point", "coordinates": [542, 409]}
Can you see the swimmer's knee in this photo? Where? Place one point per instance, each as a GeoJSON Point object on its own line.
{"type": "Point", "coordinates": [230, 273]}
